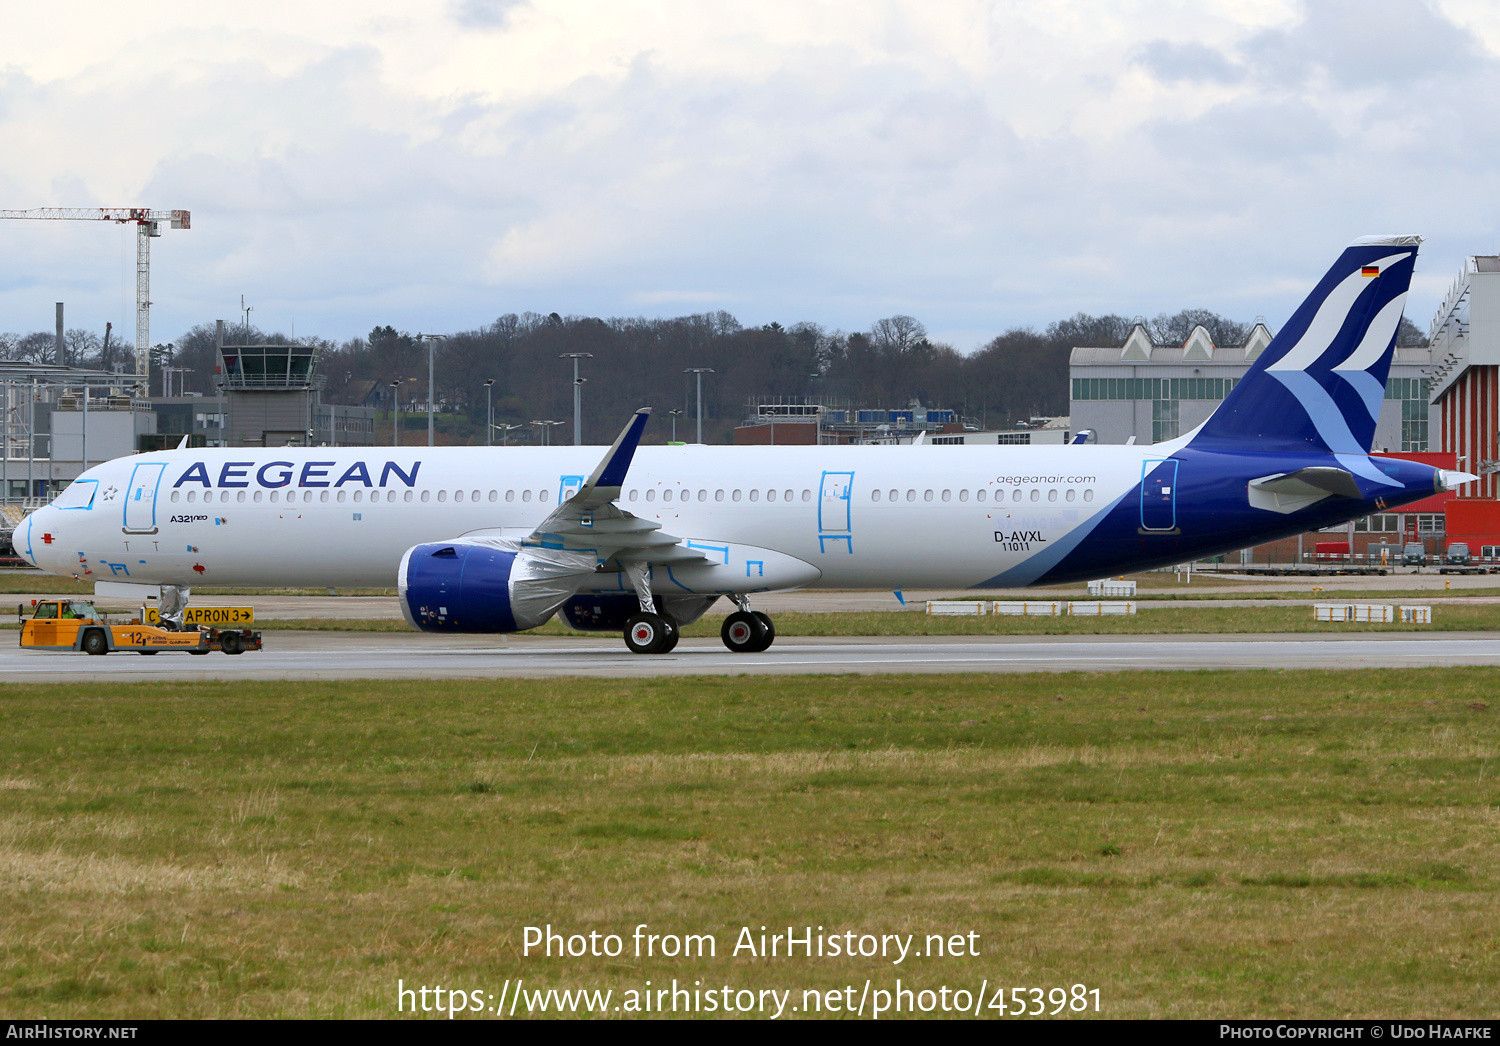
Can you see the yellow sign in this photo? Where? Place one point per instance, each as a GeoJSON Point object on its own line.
{"type": "Point", "coordinates": [216, 617]}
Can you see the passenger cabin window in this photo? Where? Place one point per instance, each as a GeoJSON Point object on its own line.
{"type": "Point", "coordinates": [1088, 495]}
{"type": "Point", "coordinates": [525, 495]}
{"type": "Point", "coordinates": [963, 495]}
{"type": "Point", "coordinates": [979, 495]}
{"type": "Point", "coordinates": [874, 495]}
{"type": "Point", "coordinates": [175, 493]}
{"type": "Point", "coordinates": [755, 495]}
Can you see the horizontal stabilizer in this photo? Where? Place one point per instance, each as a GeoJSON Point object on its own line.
{"type": "Point", "coordinates": [1290, 491]}
{"type": "Point", "coordinates": [1448, 479]}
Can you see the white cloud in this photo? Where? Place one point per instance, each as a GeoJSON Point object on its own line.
{"type": "Point", "coordinates": [976, 164]}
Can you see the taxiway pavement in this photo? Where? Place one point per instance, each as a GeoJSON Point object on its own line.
{"type": "Point", "coordinates": [295, 655]}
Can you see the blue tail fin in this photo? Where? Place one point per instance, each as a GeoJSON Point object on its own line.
{"type": "Point", "coordinates": [1318, 386]}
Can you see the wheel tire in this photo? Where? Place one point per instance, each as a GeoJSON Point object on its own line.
{"type": "Point", "coordinates": [147, 653]}
{"type": "Point", "coordinates": [770, 630]}
{"type": "Point", "coordinates": [196, 651]}
{"type": "Point", "coordinates": [646, 633]}
{"type": "Point", "coordinates": [94, 642]}
{"type": "Point", "coordinates": [232, 643]}
{"type": "Point", "coordinates": [674, 633]}
{"type": "Point", "coordinates": [743, 633]}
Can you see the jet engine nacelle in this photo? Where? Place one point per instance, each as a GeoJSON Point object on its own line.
{"type": "Point", "coordinates": [486, 584]}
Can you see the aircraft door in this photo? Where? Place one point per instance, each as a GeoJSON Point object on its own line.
{"type": "Point", "coordinates": [568, 486]}
{"type": "Point", "coordinates": [1159, 495]}
{"type": "Point", "coordinates": [140, 499]}
{"type": "Point", "coordinates": [833, 512]}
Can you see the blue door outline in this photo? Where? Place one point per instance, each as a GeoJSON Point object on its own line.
{"type": "Point", "coordinates": [567, 486]}
{"type": "Point", "coordinates": [1159, 494]}
{"type": "Point", "coordinates": [835, 492]}
{"type": "Point", "coordinates": [140, 498]}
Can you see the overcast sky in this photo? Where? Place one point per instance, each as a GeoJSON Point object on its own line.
{"type": "Point", "coordinates": [979, 165]}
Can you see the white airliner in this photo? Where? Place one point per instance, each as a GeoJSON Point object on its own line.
{"type": "Point", "coordinates": [642, 540]}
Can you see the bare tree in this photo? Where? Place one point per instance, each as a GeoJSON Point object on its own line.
{"type": "Point", "coordinates": [897, 335]}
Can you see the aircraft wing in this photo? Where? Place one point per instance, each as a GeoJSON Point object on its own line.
{"type": "Point", "coordinates": [591, 520]}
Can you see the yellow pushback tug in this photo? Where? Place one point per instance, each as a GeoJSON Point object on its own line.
{"type": "Point", "coordinates": [75, 624]}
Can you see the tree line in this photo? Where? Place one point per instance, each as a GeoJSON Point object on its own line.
{"type": "Point", "coordinates": [1019, 374]}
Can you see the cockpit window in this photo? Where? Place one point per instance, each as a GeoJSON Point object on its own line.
{"type": "Point", "coordinates": [80, 610]}
{"type": "Point", "coordinates": [79, 494]}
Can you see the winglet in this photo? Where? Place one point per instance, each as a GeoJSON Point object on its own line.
{"type": "Point", "coordinates": [183, 444]}
{"type": "Point", "coordinates": [605, 483]}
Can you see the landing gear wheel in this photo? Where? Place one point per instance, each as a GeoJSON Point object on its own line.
{"type": "Point", "coordinates": [744, 633]}
{"type": "Point", "coordinates": [674, 633]}
{"type": "Point", "coordinates": [232, 643]}
{"type": "Point", "coordinates": [648, 634]}
{"type": "Point", "coordinates": [770, 629]}
{"type": "Point", "coordinates": [94, 642]}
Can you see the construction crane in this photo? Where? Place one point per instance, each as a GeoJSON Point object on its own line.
{"type": "Point", "coordinates": [148, 224]}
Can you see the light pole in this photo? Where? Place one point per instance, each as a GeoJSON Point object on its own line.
{"type": "Point", "coordinates": [505, 433]}
{"type": "Point", "coordinates": [577, 394]}
{"type": "Point", "coordinates": [700, 371]}
{"type": "Point", "coordinates": [674, 414]}
{"type": "Point", "coordinates": [429, 339]}
{"type": "Point", "coordinates": [396, 413]}
{"type": "Point", "coordinates": [489, 412]}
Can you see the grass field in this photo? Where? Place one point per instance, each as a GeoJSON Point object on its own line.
{"type": "Point", "coordinates": [1248, 844]}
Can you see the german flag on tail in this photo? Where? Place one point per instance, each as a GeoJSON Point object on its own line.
{"type": "Point", "coordinates": [1370, 270]}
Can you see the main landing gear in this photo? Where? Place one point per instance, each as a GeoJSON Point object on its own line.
{"type": "Point", "coordinates": [651, 631]}
{"type": "Point", "coordinates": [747, 631]}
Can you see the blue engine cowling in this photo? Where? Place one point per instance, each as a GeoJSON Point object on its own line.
{"type": "Point", "coordinates": [453, 587]}
{"type": "Point", "coordinates": [487, 584]}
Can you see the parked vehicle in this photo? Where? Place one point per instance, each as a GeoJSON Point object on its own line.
{"type": "Point", "coordinates": [1458, 555]}
{"type": "Point", "coordinates": [1414, 555]}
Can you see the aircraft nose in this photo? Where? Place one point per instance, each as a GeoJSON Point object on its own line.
{"type": "Point", "coordinates": [20, 539]}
